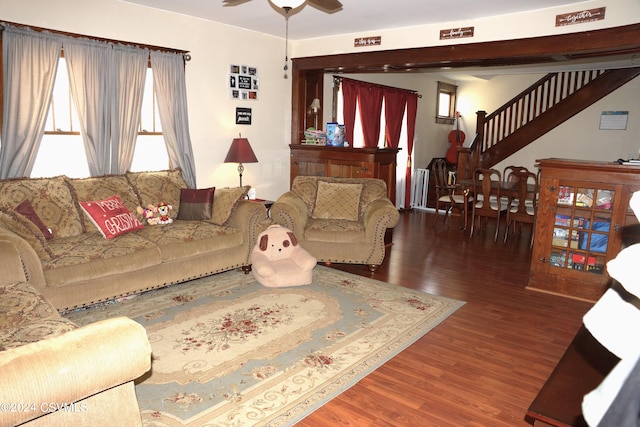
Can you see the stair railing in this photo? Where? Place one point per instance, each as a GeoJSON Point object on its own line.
{"type": "Point", "coordinates": [523, 109]}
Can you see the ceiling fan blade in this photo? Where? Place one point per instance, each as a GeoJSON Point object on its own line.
{"type": "Point", "coordinates": [226, 3]}
{"type": "Point", "coordinates": [329, 6]}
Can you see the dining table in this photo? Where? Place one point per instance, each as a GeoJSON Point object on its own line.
{"type": "Point", "coordinates": [507, 188]}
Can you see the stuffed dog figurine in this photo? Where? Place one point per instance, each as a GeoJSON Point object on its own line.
{"type": "Point", "coordinates": [278, 261]}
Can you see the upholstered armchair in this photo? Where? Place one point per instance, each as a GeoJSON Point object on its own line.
{"type": "Point", "coordinates": [341, 220]}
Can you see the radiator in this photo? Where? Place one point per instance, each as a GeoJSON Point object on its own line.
{"type": "Point", "coordinates": [419, 188]}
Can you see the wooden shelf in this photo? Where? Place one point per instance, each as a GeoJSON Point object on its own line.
{"type": "Point", "coordinates": [346, 162]}
{"type": "Point", "coordinates": [583, 214]}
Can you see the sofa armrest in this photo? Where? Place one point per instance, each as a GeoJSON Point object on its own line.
{"type": "Point", "coordinates": [252, 217]}
{"type": "Point", "coordinates": [10, 265]}
{"type": "Point", "coordinates": [291, 212]}
{"type": "Point", "coordinates": [380, 213]}
{"type": "Point", "coordinates": [70, 367]}
{"type": "Point", "coordinates": [27, 259]}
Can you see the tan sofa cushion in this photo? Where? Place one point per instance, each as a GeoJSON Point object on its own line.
{"type": "Point", "coordinates": [26, 229]}
{"type": "Point", "coordinates": [337, 201]}
{"type": "Point", "coordinates": [52, 199]}
{"type": "Point", "coordinates": [156, 187]}
{"type": "Point", "coordinates": [26, 316]}
{"type": "Point", "coordinates": [90, 256]}
{"type": "Point", "coordinates": [306, 187]}
{"type": "Point", "coordinates": [183, 239]}
{"type": "Point", "coordinates": [103, 187]}
{"type": "Point", "coordinates": [225, 201]}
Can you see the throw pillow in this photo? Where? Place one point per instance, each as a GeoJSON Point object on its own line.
{"type": "Point", "coordinates": [52, 198]}
{"type": "Point", "coordinates": [196, 204]}
{"type": "Point", "coordinates": [225, 201]}
{"type": "Point", "coordinates": [337, 201]}
{"type": "Point", "coordinates": [26, 209]}
{"type": "Point", "coordinates": [28, 231]}
{"type": "Point", "coordinates": [111, 217]}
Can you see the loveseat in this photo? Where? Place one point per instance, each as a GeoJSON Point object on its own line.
{"type": "Point", "coordinates": [56, 374]}
{"type": "Point", "coordinates": [73, 260]}
{"type": "Point", "coordinates": [341, 220]}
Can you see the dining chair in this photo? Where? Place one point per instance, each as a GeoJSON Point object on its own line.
{"type": "Point", "coordinates": [448, 193]}
{"type": "Point", "coordinates": [523, 206]}
{"type": "Point", "coordinates": [508, 170]}
{"type": "Point", "coordinates": [509, 178]}
{"type": "Point", "coordinates": [489, 202]}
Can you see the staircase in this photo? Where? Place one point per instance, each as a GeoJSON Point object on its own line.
{"type": "Point", "coordinates": [535, 111]}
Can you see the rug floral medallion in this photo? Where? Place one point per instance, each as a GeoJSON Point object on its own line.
{"type": "Point", "coordinates": [229, 352]}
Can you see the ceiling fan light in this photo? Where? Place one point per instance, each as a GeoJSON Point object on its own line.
{"type": "Point", "coordinates": [287, 3]}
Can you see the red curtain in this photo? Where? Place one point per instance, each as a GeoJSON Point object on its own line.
{"type": "Point", "coordinates": [370, 101]}
{"type": "Point", "coordinates": [412, 108]}
{"type": "Point", "coordinates": [369, 96]}
{"type": "Point", "coordinates": [349, 95]}
{"type": "Point", "coordinates": [394, 106]}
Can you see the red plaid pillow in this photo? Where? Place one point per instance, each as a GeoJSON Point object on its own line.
{"type": "Point", "coordinates": [111, 217]}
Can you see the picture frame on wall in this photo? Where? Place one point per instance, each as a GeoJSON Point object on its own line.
{"type": "Point", "coordinates": [243, 82]}
{"type": "Point", "coordinates": [243, 116]}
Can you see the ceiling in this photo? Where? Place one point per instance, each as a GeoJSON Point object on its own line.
{"type": "Point", "coordinates": [356, 16]}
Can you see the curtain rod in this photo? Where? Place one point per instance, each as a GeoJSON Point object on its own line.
{"type": "Point", "coordinates": [340, 78]}
{"type": "Point", "coordinates": [185, 53]}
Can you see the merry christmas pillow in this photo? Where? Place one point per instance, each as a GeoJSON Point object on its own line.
{"type": "Point", "coordinates": [111, 217]}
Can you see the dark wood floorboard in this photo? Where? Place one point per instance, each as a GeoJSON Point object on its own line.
{"type": "Point", "coordinates": [483, 365]}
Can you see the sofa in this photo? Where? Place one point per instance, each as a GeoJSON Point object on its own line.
{"type": "Point", "coordinates": [338, 220]}
{"type": "Point", "coordinates": [76, 260]}
{"type": "Point", "coordinates": [57, 374]}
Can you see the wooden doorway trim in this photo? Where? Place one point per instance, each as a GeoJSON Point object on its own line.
{"type": "Point", "coordinates": [535, 50]}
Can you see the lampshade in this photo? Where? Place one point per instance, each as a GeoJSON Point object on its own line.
{"type": "Point", "coordinates": [315, 106]}
{"type": "Point", "coordinates": [240, 152]}
{"type": "Point", "coordinates": [287, 3]}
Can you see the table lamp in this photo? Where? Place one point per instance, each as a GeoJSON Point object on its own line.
{"type": "Point", "coordinates": [240, 152]}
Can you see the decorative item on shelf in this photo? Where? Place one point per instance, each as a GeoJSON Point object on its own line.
{"type": "Point", "coordinates": [335, 135]}
{"type": "Point", "coordinates": [313, 110]}
{"type": "Point", "coordinates": [315, 137]}
{"type": "Point", "coordinates": [240, 152]}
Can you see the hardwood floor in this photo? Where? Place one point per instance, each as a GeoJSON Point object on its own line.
{"type": "Point", "coordinates": [483, 365]}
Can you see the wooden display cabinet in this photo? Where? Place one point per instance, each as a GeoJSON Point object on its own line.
{"type": "Point", "coordinates": [346, 162]}
{"type": "Point", "coordinates": [583, 211]}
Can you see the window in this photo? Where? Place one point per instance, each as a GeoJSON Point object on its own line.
{"type": "Point", "coordinates": [62, 150]}
{"type": "Point", "coordinates": [358, 142]}
{"type": "Point", "coordinates": [150, 153]}
{"type": "Point", "coordinates": [446, 103]}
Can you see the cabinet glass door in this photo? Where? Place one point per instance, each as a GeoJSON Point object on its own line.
{"type": "Point", "coordinates": [581, 228]}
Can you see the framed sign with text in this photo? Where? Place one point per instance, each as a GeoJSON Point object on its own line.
{"type": "Point", "coordinates": [243, 116]}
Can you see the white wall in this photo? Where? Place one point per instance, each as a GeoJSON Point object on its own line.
{"type": "Point", "coordinates": [213, 48]}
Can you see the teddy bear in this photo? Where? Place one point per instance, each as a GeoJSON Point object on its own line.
{"type": "Point", "coordinates": [148, 214]}
{"type": "Point", "coordinates": [162, 209]}
{"type": "Point", "coordinates": [278, 260]}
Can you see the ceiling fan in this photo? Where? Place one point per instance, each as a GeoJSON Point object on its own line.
{"type": "Point", "coordinates": [329, 6]}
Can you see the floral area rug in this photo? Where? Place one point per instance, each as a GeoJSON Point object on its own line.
{"type": "Point", "coordinates": [230, 352]}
